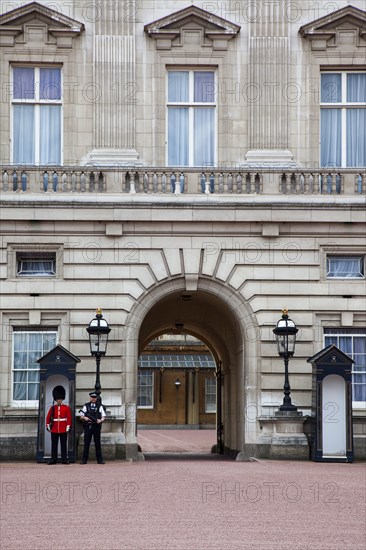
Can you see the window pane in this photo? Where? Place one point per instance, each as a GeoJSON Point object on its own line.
{"type": "Point", "coordinates": [204, 86]}
{"type": "Point", "coordinates": [331, 88]}
{"type": "Point", "coordinates": [177, 136]}
{"type": "Point", "coordinates": [356, 137]}
{"type": "Point", "coordinates": [23, 134]}
{"type": "Point", "coordinates": [50, 147]}
{"type": "Point", "coordinates": [23, 83]}
{"type": "Point", "coordinates": [330, 138]}
{"type": "Point", "coordinates": [356, 87]}
{"type": "Point", "coordinates": [204, 135]}
{"type": "Point", "coordinates": [178, 86]}
{"type": "Point", "coordinates": [20, 392]}
{"type": "Point", "coordinates": [33, 391]}
{"type": "Point", "coordinates": [344, 267]}
{"type": "Point", "coordinates": [50, 85]}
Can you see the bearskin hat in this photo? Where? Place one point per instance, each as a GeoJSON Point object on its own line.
{"type": "Point", "coordinates": [59, 393]}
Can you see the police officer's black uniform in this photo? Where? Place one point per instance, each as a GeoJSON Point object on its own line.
{"type": "Point", "coordinates": [93, 411]}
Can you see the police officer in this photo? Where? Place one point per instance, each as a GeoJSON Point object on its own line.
{"type": "Point", "coordinates": [92, 415]}
{"type": "Point", "coordinates": [58, 422]}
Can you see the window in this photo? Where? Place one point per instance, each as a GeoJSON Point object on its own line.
{"type": "Point", "coordinates": [210, 395]}
{"type": "Point", "coordinates": [32, 264]}
{"type": "Point", "coordinates": [345, 266]}
{"type": "Point", "coordinates": [191, 118]}
{"type": "Point", "coordinates": [343, 119]}
{"type": "Point", "coordinates": [36, 112]}
{"type": "Point", "coordinates": [28, 346]}
{"type": "Point", "coordinates": [145, 387]}
{"type": "Point", "coordinates": [352, 342]}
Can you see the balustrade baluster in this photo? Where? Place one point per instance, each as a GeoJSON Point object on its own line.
{"type": "Point", "coordinates": [101, 182]}
{"type": "Point", "coordinates": [333, 185]}
{"type": "Point", "coordinates": [45, 181]}
{"type": "Point", "coordinates": [91, 182]}
{"type": "Point", "coordinates": [288, 183]}
{"type": "Point", "coordinates": [24, 181]}
{"type": "Point", "coordinates": [221, 183]}
{"type": "Point", "coordinates": [202, 183]}
{"type": "Point", "coordinates": [55, 181]}
{"type": "Point", "coordinates": [15, 181]}
{"type": "Point", "coordinates": [5, 185]}
{"type": "Point", "coordinates": [163, 183]}
{"type": "Point", "coordinates": [132, 183]}
{"type": "Point", "coordinates": [145, 182]}
{"type": "Point", "coordinates": [64, 182]}
{"type": "Point", "coordinates": [230, 183]}
{"type": "Point", "coordinates": [73, 182]}
{"type": "Point", "coordinates": [82, 182]}
{"type": "Point", "coordinates": [239, 184]}
{"type": "Point", "coordinates": [155, 185]}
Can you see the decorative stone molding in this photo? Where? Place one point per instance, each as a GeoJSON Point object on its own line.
{"type": "Point", "coordinates": [340, 28]}
{"type": "Point", "coordinates": [35, 23]}
{"type": "Point", "coordinates": [171, 31]}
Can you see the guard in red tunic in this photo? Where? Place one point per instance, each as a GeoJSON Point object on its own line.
{"type": "Point", "coordinates": [58, 422]}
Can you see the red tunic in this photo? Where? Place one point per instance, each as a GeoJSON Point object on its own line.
{"type": "Point", "coordinates": [61, 419]}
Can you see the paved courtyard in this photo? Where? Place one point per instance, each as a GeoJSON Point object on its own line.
{"type": "Point", "coordinates": [189, 502]}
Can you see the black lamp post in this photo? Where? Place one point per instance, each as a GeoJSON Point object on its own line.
{"type": "Point", "coordinates": [98, 330]}
{"type": "Point", "coordinates": [285, 332]}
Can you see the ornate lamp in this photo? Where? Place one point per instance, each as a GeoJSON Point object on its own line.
{"type": "Point", "coordinates": [98, 331]}
{"type": "Point", "coordinates": [285, 332]}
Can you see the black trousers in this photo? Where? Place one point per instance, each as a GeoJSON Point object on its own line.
{"type": "Point", "coordinates": [54, 444]}
{"type": "Point", "coordinates": [92, 431]}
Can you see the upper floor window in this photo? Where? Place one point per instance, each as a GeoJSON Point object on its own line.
{"type": "Point", "coordinates": [36, 115]}
{"type": "Point", "coordinates": [353, 343]}
{"type": "Point", "coordinates": [191, 118]}
{"type": "Point", "coordinates": [345, 266]}
{"type": "Point", "coordinates": [28, 346]}
{"type": "Point", "coordinates": [343, 119]}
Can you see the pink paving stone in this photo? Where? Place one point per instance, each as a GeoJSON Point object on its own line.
{"type": "Point", "coordinates": [185, 504]}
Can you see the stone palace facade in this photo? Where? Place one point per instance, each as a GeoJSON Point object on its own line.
{"type": "Point", "coordinates": [186, 166]}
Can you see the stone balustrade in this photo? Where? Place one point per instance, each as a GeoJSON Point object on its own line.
{"type": "Point", "coordinates": [131, 180]}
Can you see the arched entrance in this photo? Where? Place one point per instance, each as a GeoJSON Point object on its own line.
{"type": "Point", "coordinates": [218, 316]}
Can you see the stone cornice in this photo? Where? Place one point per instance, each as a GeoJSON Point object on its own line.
{"type": "Point", "coordinates": [216, 30]}
{"type": "Point", "coordinates": [60, 28]}
{"type": "Point", "coordinates": [325, 31]}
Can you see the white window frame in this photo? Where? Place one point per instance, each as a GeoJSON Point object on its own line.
{"type": "Point", "coordinates": [349, 333]}
{"type": "Point", "coordinates": [343, 105]}
{"type": "Point", "coordinates": [36, 258]}
{"type": "Point", "coordinates": [37, 102]}
{"type": "Point", "coordinates": [27, 402]}
{"type": "Point", "coordinates": [151, 386]}
{"type": "Point", "coordinates": [208, 387]}
{"type": "Point", "coordinates": [191, 105]}
{"type": "Point", "coordinates": [359, 257]}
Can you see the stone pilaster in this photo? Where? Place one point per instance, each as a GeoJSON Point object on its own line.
{"type": "Point", "coordinates": [114, 82]}
{"type": "Point", "coordinates": [269, 59]}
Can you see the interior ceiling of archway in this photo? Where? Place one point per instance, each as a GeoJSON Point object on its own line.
{"type": "Point", "coordinates": [200, 314]}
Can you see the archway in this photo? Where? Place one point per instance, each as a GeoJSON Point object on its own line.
{"type": "Point", "coordinates": [218, 316]}
{"type": "Point", "coordinates": [176, 403]}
